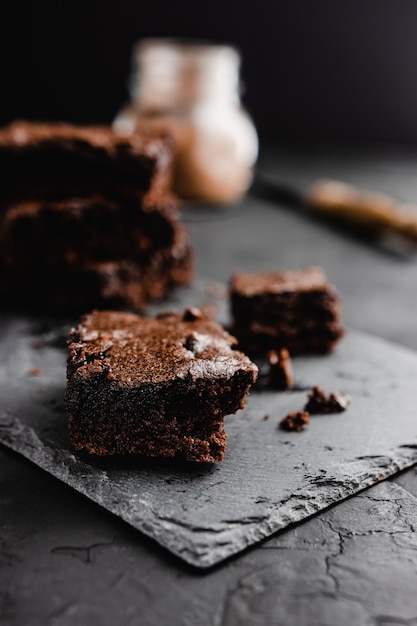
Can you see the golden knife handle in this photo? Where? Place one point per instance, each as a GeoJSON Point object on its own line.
{"type": "Point", "coordinates": [367, 209]}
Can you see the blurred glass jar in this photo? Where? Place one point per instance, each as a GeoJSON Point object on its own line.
{"type": "Point", "coordinates": [192, 90]}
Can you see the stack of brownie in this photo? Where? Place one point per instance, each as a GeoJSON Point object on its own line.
{"type": "Point", "coordinates": [296, 309]}
{"type": "Point", "coordinates": [87, 218]}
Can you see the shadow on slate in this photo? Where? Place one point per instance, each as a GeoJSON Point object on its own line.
{"type": "Point", "coordinates": [268, 480]}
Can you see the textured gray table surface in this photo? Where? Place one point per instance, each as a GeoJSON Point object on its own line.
{"type": "Point", "coordinates": [65, 560]}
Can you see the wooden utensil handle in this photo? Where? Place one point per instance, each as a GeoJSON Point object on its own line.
{"type": "Point", "coordinates": [366, 209]}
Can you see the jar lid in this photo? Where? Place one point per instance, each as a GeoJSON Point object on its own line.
{"type": "Point", "coordinates": [185, 70]}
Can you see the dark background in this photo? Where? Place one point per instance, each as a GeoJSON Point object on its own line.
{"type": "Point", "coordinates": [322, 70]}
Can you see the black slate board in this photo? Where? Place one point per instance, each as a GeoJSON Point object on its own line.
{"type": "Point", "coordinates": [268, 479]}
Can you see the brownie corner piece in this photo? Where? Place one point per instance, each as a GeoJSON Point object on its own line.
{"type": "Point", "coordinates": [154, 386]}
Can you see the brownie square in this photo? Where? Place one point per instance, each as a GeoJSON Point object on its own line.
{"type": "Point", "coordinates": [122, 283]}
{"type": "Point", "coordinates": [294, 309]}
{"type": "Point", "coordinates": [57, 160]}
{"type": "Point", "coordinates": [158, 387]}
{"type": "Point", "coordinates": [91, 229]}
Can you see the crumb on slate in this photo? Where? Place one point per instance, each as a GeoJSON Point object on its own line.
{"type": "Point", "coordinates": [295, 421]}
{"type": "Point", "coordinates": [191, 314]}
{"type": "Point", "coordinates": [320, 402]}
{"type": "Point", "coordinates": [36, 371]}
{"type": "Point", "coordinates": [280, 369]}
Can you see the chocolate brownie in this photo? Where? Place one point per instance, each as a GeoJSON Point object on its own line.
{"type": "Point", "coordinates": [158, 387]}
{"type": "Point", "coordinates": [122, 283]}
{"type": "Point", "coordinates": [86, 218]}
{"type": "Point", "coordinates": [295, 309]}
{"type": "Point", "coordinates": [77, 231]}
{"type": "Point", "coordinates": [57, 160]}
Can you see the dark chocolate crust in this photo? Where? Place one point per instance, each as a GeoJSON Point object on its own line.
{"type": "Point", "coordinates": [296, 309]}
{"type": "Point", "coordinates": [157, 387]}
{"type": "Point", "coordinates": [57, 160]}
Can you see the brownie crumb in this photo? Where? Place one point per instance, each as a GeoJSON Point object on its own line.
{"type": "Point", "coordinates": [191, 314]}
{"type": "Point", "coordinates": [295, 421]}
{"type": "Point", "coordinates": [280, 369]}
{"type": "Point", "coordinates": [36, 371]}
{"type": "Point", "coordinates": [266, 417]}
{"type": "Point", "coordinates": [320, 402]}
{"type": "Point", "coordinates": [191, 341]}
